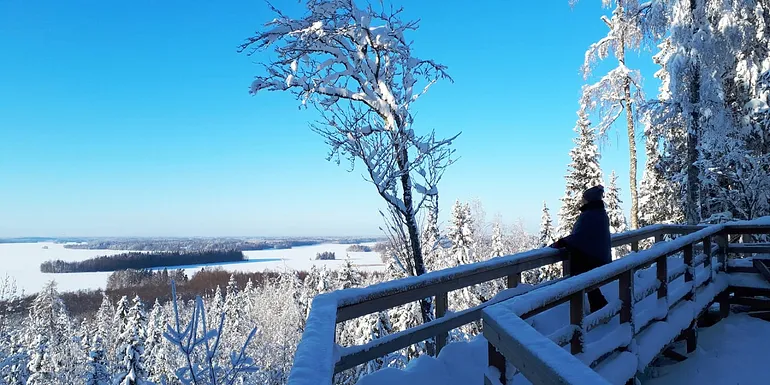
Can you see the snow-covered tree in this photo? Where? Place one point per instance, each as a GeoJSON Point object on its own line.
{"type": "Point", "coordinates": [498, 240]}
{"type": "Point", "coordinates": [618, 222]}
{"type": "Point", "coordinates": [98, 371]}
{"type": "Point", "coordinates": [130, 360]}
{"type": "Point", "coordinates": [546, 228]}
{"type": "Point", "coordinates": [618, 91]}
{"type": "Point", "coordinates": [156, 351]}
{"type": "Point", "coordinates": [582, 173]}
{"type": "Point", "coordinates": [349, 276]}
{"type": "Point", "coordinates": [357, 68]}
{"type": "Point", "coordinates": [48, 336]}
{"type": "Point", "coordinates": [431, 237]}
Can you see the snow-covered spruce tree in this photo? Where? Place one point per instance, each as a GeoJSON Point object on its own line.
{"type": "Point", "coordinates": [582, 173]}
{"type": "Point", "coordinates": [431, 236]}
{"type": "Point", "coordinates": [463, 252]}
{"type": "Point", "coordinates": [356, 67]}
{"type": "Point", "coordinates": [618, 91]}
{"type": "Point", "coordinates": [97, 372]}
{"type": "Point", "coordinates": [131, 370]}
{"type": "Point", "coordinates": [545, 238]}
{"type": "Point", "coordinates": [47, 332]}
{"type": "Point", "coordinates": [618, 222]}
{"type": "Point", "coordinates": [546, 228]}
{"type": "Point", "coordinates": [498, 240]}
{"type": "Point", "coordinates": [156, 350]}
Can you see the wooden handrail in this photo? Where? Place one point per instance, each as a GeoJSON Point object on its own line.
{"type": "Point", "coordinates": [352, 303]}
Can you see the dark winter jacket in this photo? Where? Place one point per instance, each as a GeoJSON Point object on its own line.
{"type": "Point", "coordinates": [589, 244]}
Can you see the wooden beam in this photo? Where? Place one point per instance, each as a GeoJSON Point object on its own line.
{"type": "Point", "coordinates": [513, 280]}
{"type": "Point", "coordinates": [749, 248]}
{"type": "Point", "coordinates": [688, 273]}
{"type": "Point", "coordinates": [761, 266]}
{"type": "Point", "coordinates": [763, 315]}
{"type": "Point", "coordinates": [635, 246]}
{"type": "Point", "coordinates": [754, 303]}
{"type": "Point", "coordinates": [497, 360]}
{"type": "Point", "coordinates": [576, 318]}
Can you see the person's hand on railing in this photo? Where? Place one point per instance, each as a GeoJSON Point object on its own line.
{"type": "Point", "coordinates": [558, 244]}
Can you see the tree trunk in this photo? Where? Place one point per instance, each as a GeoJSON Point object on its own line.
{"type": "Point", "coordinates": [631, 135]}
{"type": "Point", "coordinates": [693, 129]}
{"type": "Point", "coordinates": [411, 226]}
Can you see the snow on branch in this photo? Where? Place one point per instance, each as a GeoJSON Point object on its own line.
{"type": "Point", "coordinates": [607, 95]}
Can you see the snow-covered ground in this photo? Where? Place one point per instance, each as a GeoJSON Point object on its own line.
{"type": "Point", "coordinates": [734, 351]}
{"type": "Point", "coordinates": [21, 261]}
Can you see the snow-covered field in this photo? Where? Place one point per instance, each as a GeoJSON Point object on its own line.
{"type": "Point", "coordinates": [21, 261]}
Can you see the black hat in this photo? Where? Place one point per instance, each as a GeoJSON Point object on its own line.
{"type": "Point", "coordinates": [594, 194]}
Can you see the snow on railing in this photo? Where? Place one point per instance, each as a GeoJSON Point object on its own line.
{"type": "Point", "coordinates": [644, 331]}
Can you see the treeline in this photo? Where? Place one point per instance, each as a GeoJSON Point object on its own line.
{"type": "Point", "coordinates": [206, 244]}
{"type": "Point", "coordinates": [359, 249]}
{"type": "Point", "coordinates": [134, 260]}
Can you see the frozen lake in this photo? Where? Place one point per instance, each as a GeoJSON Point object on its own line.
{"type": "Point", "coordinates": [21, 261]}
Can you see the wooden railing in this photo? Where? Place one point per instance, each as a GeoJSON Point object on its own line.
{"type": "Point", "coordinates": [542, 359]}
{"type": "Point", "coordinates": [318, 357]}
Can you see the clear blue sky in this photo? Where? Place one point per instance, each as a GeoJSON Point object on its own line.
{"type": "Point", "coordinates": [133, 119]}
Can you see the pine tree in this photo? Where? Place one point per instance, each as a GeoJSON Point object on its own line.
{"type": "Point", "coordinates": [131, 370]}
{"type": "Point", "coordinates": [498, 241]}
{"type": "Point", "coordinates": [615, 212]}
{"type": "Point", "coordinates": [430, 239]}
{"type": "Point", "coordinates": [461, 235]}
{"type": "Point", "coordinates": [349, 276]}
{"type": "Point", "coordinates": [48, 339]}
{"type": "Point", "coordinates": [582, 173]}
{"type": "Point", "coordinates": [155, 345]}
{"type": "Point", "coordinates": [546, 228]}
{"type": "Point", "coordinates": [98, 372]}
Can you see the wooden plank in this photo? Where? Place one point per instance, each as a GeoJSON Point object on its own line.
{"type": "Point", "coordinates": [442, 304]}
{"type": "Point", "coordinates": [762, 268]}
{"type": "Point", "coordinates": [763, 315]}
{"type": "Point", "coordinates": [626, 295]}
{"type": "Point", "coordinates": [576, 318]}
{"type": "Point", "coordinates": [538, 358]}
{"type": "Point", "coordinates": [746, 229]}
{"type": "Point", "coordinates": [661, 266]}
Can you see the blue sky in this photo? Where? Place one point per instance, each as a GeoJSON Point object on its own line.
{"type": "Point", "coordinates": [133, 119]}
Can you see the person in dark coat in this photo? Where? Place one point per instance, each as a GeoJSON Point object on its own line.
{"type": "Point", "coordinates": [589, 243]}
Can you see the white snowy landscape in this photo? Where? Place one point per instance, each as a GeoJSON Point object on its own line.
{"type": "Point", "coordinates": [358, 77]}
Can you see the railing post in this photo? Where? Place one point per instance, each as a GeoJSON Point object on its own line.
{"type": "Point", "coordinates": [513, 280]}
{"type": "Point", "coordinates": [689, 273]}
{"type": "Point", "coordinates": [635, 246]}
{"type": "Point", "coordinates": [576, 318]}
{"type": "Point", "coordinates": [442, 304]}
{"type": "Point", "coordinates": [724, 297]}
{"type": "Point", "coordinates": [707, 262]}
{"type": "Point", "coordinates": [661, 266]}
{"type": "Point", "coordinates": [626, 295]}
{"type": "Point", "coordinates": [566, 270]}
{"type": "Point", "coordinates": [658, 238]}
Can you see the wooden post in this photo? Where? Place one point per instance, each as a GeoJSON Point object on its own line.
{"type": "Point", "coordinates": [565, 267]}
{"type": "Point", "coordinates": [661, 265]}
{"type": "Point", "coordinates": [497, 360]}
{"type": "Point", "coordinates": [658, 238]}
{"type": "Point", "coordinates": [691, 336]}
{"type": "Point", "coordinates": [576, 318]}
{"type": "Point", "coordinates": [721, 241]}
{"type": "Point", "coordinates": [688, 274]}
{"type": "Point", "coordinates": [513, 280]}
{"type": "Point", "coordinates": [635, 246]}
{"type": "Point", "coordinates": [442, 304]}
{"type": "Point", "coordinates": [626, 294]}
{"type": "Point", "coordinates": [707, 263]}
